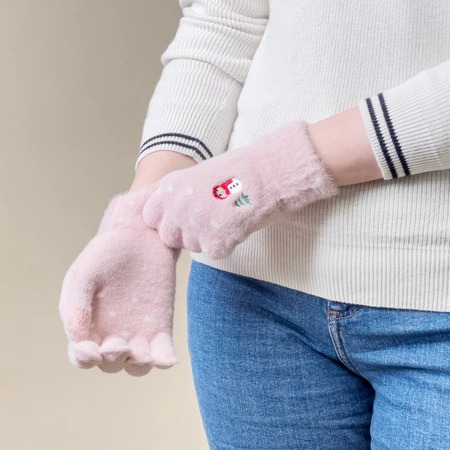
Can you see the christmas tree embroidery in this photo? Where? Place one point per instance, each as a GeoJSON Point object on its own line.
{"type": "Point", "coordinates": [243, 200]}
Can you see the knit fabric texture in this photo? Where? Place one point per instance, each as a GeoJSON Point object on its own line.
{"type": "Point", "coordinates": [216, 205]}
{"type": "Point", "coordinates": [237, 70]}
{"type": "Point", "coordinates": [117, 298]}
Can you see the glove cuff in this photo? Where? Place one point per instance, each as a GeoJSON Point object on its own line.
{"type": "Point", "coordinates": [304, 177]}
{"type": "Point", "coordinates": [125, 209]}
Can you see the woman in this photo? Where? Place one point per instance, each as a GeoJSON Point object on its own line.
{"type": "Point", "coordinates": [301, 152]}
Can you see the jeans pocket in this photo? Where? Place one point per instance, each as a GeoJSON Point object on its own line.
{"type": "Point", "coordinates": [341, 310]}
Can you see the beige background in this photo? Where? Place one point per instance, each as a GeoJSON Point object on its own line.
{"type": "Point", "coordinates": [75, 81]}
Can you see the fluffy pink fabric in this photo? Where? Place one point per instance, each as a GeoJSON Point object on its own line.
{"type": "Point", "coordinates": [214, 206]}
{"type": "Point", "coordinates": [118, 296]}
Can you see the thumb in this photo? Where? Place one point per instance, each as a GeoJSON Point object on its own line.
{"type": "Point", "coordinates": [152, 212]}
{"type": "Point", "coordinates": [75, 304]}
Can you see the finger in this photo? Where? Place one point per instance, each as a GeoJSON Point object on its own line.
{"type": "Point", "coordinates": [84, 354]}
{"type": "Point", "coordinates": [170, 233]}
{"type": "Point", "coordinates": [216, 251]}
{"type": "Point", "coordinates": [152, 212]}
{"type": "Point", "coordinates": [140, 361]}
{"type": "Point", "coordinates": [75, 305]}
{"type": "Point", "coordinates": [191, 243]}
{"type": "Point", "coordinates": [163, 351]}
{"type": "Point", "coordinates": [114, 351]}
{"type": "Point", "coordinates": [222, 248]}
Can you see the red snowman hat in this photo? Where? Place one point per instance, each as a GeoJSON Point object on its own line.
{"type": "Point", "coordinates": [224, 186]}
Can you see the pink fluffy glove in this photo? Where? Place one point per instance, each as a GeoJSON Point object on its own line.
{"type": "Point", "coordinates": [214, 206]}
{"type": "Point", "coordinates": [118, 296]}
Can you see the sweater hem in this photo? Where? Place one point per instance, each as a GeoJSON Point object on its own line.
{"type": "Point", "coordinates": [400, 278]}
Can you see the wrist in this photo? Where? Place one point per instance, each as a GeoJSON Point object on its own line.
{"type": "Point", "coordinates": [342, 144]}
{"type": "Point", "coordinates": [157, 164]}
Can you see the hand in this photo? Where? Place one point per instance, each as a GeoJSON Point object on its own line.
{"type": "Point", "coordinates": [217, 204]}
{"type": "Point", "coordinates": [118, 296]}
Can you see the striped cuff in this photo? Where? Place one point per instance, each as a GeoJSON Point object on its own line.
{"type": "Point", "coordinates": [178, 142]}
{"type": "Point", "coordinates": [408, 125]}
{"type": "Point", "coordinates": [383, 137]}
{"type": "Point", "coordinates": [192, 111]}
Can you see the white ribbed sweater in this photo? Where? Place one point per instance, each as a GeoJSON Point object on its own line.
{"type": "Point", "coordinates": [238, 69]}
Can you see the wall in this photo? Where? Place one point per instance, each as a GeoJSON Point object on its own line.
{"type": "Point", "coordinates": [75, 81]}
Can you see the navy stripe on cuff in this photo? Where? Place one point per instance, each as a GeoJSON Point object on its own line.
{"type": "Point", "coordinates": [201, 149]}
{"type": "Point", "coordinates": [380, 138]}
{"type": "Point", "coordinates": [394, 138]}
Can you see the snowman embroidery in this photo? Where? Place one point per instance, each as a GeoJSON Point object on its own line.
{"type": "Point", "coordinates": [231, 186]}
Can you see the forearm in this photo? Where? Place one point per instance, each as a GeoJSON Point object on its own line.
{"type": "Point", "coordinates": [340, 140]}
{"type": "Point", "coordinates": [342, 143]}
{"type": "Point", "coordinates": [157, 164]}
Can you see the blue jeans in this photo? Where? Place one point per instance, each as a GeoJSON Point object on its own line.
{"type": "Point", "coordinates": [276, 368]}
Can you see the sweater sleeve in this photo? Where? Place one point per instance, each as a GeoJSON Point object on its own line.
{"type": "Point", "coordinates": [194, 104]}
{"type": "Point", "coordinates": [409, 125]}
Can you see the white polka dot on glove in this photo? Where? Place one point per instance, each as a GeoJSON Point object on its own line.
{"type": "Point", "coordinates": [217, 204]}
{"type": "Point", "coordinates": [118, 296]}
